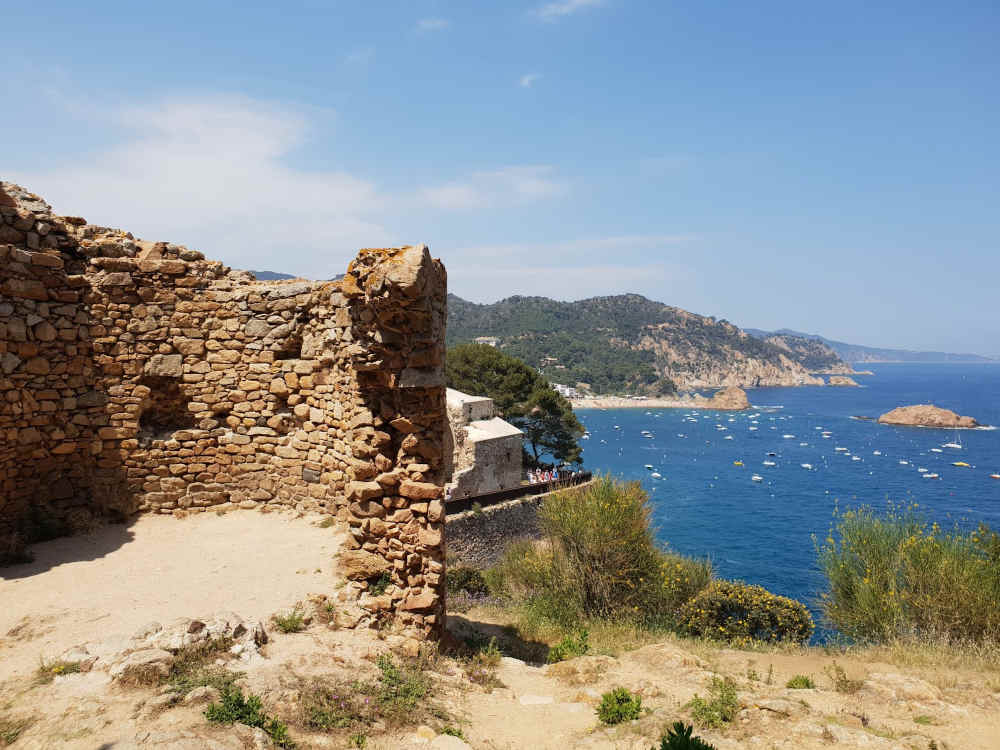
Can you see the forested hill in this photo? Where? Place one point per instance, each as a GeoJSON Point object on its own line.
{"type": "Point", "coordinates": [628, 343]}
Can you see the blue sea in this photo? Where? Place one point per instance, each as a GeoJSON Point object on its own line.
{"type": "Point", "coordinates": [762, 532]}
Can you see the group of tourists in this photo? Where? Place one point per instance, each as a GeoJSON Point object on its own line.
{"type": "Point", "coordinates": [537, 476]}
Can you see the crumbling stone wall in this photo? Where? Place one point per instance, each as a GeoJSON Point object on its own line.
{"type": "Point", "coordinates": [140, 377]}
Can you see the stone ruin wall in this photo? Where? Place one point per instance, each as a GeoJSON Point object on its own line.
{"type": "Point", "coordinates": [140, 377]}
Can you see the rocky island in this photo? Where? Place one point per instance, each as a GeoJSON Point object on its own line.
{"type": "Point", "coordinates": [842, 380]}
{"type": "Point", "coordinates": [731, 398]}
{"type": "Point", "coordinates": [926, 415]}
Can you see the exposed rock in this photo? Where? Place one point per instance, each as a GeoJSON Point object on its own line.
{"type": "Point", "coordinates": [731, 398]}
{"type": "Point", "coordinates": [359, 565]}
{"type": "Point", "coordinates": [842, 380]}
{"type": "Point", "coordinates": [203, 694]}
{"type": "Point", "coordinates": [926, 415]}
{"type": "Point", "coordinates": [143, 665]}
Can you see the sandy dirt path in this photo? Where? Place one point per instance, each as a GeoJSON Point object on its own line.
{"type": "Point", "coordinates": [112, 581]}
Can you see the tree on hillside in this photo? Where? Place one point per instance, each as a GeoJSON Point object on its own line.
{"type": "Point", "coordinates": [523, 397]}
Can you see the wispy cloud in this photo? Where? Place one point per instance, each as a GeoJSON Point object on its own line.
{"type": "Point", "coordinates": [582, 267]}
{"type": "Point", "coordinates": [512, 184]}
{"type": "Point", "coordinates": [211, 172]}
{"type": "Point", "coordinates": [528, 79]}
{"type": "Point", "coordinates": [359, 57]}
{"type": "Point", "coordinates": [556, 10]}
{"type": "Point", "coordinates": [432, 24]}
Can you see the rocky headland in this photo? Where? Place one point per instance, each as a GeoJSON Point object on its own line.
{"type": "Point", "coordinates": [926, 415]}
{"type": "Point", "coordinates": [730, 398]}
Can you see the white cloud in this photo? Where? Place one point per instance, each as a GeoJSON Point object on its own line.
{"type": "Point", "coordinates": [487, 189]}
{"type": "Point", "coordinates": [528, 79]}
{"type": "Point", "coordinates": [210, 172]}
{"type": "Point", "coordinates": [432, 24]}
{"type": "Point", "coordinates": [556, 10]}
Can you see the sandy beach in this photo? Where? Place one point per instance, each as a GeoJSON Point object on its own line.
{"type": "Point", "coordinates": [617, 402]}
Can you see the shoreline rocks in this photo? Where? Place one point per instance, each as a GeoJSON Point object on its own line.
{"type": "Point", "coordinates": [926, 415]}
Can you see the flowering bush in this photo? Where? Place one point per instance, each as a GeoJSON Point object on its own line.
{"type": "Point", "coordinates": [897, 575]}
{"type": "Point", "coordinates": [740, 613]}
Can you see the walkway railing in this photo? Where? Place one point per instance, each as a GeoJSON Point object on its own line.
{"type": "Point", "coordinates": [526, 490]}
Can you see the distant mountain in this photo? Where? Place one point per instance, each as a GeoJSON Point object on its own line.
{"type": "Point", "coordinates": [275, 276]}
{"type": "Point", "coordinates": [272, 275]}
{"type": "Point", "coordinates": [628, 343]}
{"type": "Point", "coordinates": [856, 353]}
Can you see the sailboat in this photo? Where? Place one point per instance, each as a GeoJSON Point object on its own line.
{"type": "Point", "coordinates": [956, 443]}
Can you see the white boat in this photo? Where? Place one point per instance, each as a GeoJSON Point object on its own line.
{"type": "Point", "coordinates": [922, 470]}
{"type": "Point", "coordinates": [876, 453]}
{"type": "Point", "coordinates": [936, 450]}
{"type": "Point", "coordinates": [752, 429]}
{"type": "Point", "coordinates": [806, 466]}
{"type": "Point", "coordinates": [839, 449]}
{"type": "Point", "coordinates": [770, 463]}
{"type": "Point", "coordinates": [904, 463]}
{"type": "Point", "coordinates": [655, 475]}
{"type": "Point", "coordinates": [930, 476]}
{"type": "Point", "coordinates": [956, 443]}
{"type": "Point", "coordinates": [756, 478]}
{"type": "Point", "coordinates": [855, 458]}
{"type": "Point", "coordinates": [649, 467]}
{"type": "Point", "coordinates": [788, 437]}
{"type": "Point", "coordinates": [803, 445]}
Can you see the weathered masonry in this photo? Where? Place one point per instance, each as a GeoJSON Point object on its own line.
{"type": "Point", "coordinates": [140, 377]}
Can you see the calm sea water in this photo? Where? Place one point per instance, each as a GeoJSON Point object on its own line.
{"type": "Point", "coordinates": [761, 532]}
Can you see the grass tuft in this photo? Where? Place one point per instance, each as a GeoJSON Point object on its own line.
{"type": "Point", "coordinates": [48, 670]}
{"type": "Point", "coordinates": [248, 709]}
{"type": "Point", "coordinates": [292, 622]}
{"type": "Point", "coordinates": [800, 682]}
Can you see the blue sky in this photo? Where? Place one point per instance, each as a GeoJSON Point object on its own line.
{"type": "Point", "coordinates": [830, 167]}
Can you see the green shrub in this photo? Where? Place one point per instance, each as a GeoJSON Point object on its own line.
{"type": "Point", "coordinates": [894, 575]}
{"type": "Point", "coordinates": [619, 705]}
{"type": "Point", "coordinates": [800, 682]}
{"type": "Point", "coordinates": [569, 647]}
{"type": "Point", "coordinates": [293, 622]}
{"type": "Point", "coordinates": [599, 560]}
{"type": "Point", "coordinates": [740, 613]}
{"type": "Point", "coordinates": [463, 578]}
{"type": "Point", "coordinates": [719, 708]}
{"type": "Point", "coordinates": [378, 586]}
{"type": "Point", "coordinates": [678, 737]}
{"type": "Point", "coordinates": [235, 707]}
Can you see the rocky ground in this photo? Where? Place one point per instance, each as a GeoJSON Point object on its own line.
{"type": "Point", "coordinates": [64, 685]}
